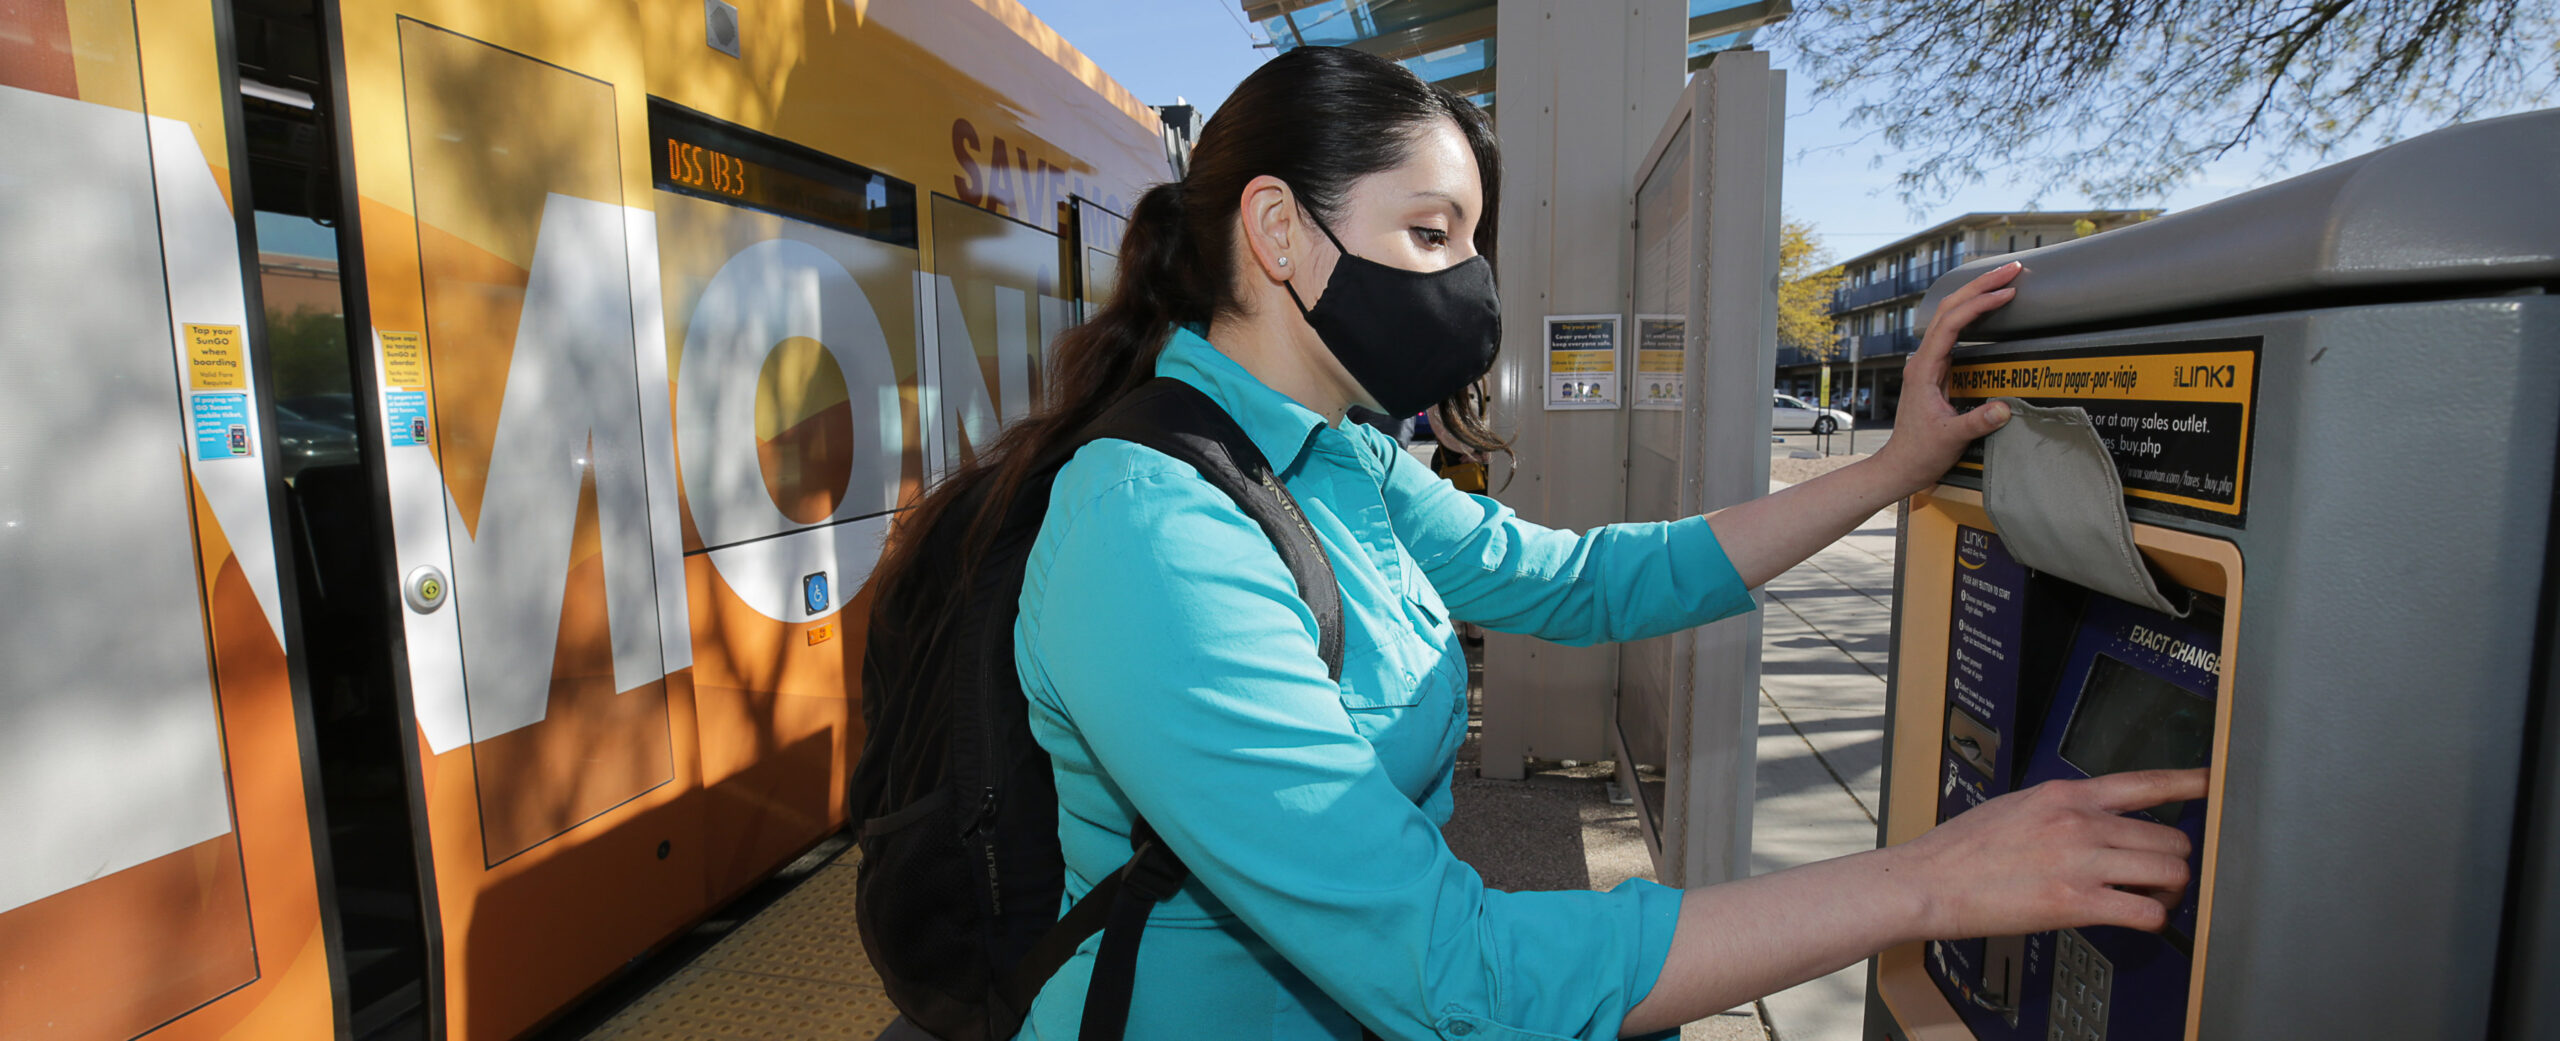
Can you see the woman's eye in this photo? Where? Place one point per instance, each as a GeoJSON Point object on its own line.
{"type": "Point", "coordinates": [1431, 238]}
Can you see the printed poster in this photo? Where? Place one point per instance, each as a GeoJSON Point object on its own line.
{"type": "Point", "coordinates": [217, 358]}
{"type": "Point", "coordinates": [405, 408]}
{"type": "Point", "coordinates": [1582, 361]}
{"type": "Point", "coordinates": [406, 413]}
{"type": "Point", "coordinates": [222, 427]}
{"type": "Point", "coordinates": [1662, 360]}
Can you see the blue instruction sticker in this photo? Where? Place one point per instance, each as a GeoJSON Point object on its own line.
{"type": "Point", "coordinates": [222, 427]}
{"type": "Point", "coordinates": [406, 411]}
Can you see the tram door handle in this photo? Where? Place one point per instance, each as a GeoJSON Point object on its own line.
{"type": "Point", "coordinates": [426, 589]}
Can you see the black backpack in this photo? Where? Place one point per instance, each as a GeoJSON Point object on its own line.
{"type": "Point", "coordinates": [961, 873]}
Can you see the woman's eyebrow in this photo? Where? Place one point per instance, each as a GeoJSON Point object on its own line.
{"type": "Point", "coordinates": [1452, 200]}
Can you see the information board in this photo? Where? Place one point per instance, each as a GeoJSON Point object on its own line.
{"type": "Point", "coordinates": [1662, 362]}
{"type": "Point", "coordinates": [2174, 415]}
{"type": "Point", "coordinates": [1582, 361]}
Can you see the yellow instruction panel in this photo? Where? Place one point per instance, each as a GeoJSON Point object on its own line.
{"type": "Point", "coordinates": [2174, 415]}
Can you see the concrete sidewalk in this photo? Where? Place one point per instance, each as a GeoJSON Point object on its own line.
{"type": "Point", "coordinates": [1825, 639]}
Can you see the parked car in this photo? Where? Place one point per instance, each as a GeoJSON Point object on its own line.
{"type": "Point", "coordinates": [1788, 413]}
{"type": "Point", "coordinates": [306, 441]}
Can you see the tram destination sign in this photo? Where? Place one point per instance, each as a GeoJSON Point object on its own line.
{"type": "Point", "coordinates": [694, 154]}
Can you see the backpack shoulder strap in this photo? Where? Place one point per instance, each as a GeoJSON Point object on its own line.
{"type": "Point", "coordinates": [1178, 420]}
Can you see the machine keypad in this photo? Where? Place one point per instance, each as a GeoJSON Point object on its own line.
{"type": "Point", "coordinates": [2082, 980]}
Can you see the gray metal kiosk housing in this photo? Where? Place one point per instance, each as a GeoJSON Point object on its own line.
{"type": "Point", "coordinates": [2386, 852]}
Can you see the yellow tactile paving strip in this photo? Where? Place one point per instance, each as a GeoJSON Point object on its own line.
{"type": "Point", "coordinates": [794, 972]}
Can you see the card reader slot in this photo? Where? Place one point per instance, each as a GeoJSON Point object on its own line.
{"type": "Point", "coordinates": [2052, 619]}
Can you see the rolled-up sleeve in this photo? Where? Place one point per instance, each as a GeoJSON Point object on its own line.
{"type": "Point", "coordinates": [1172, 636]}
{"type": "Point", "coordinates": [1613, 583]}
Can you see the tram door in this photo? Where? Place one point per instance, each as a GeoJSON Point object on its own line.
{"type": "Point", "coordinates": [158, 874]}
{"type": "Point", "coordinates": [552, 779]}
{"type": "Point", "coordinates": [645, 414]}
{"type": "Point", "coordinates": [1092, 240]}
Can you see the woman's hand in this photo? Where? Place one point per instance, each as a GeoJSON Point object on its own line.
{"type": "Point", "coordinates": [1928, 433]}
{"type": "Point", "coordinates": [1764, 537]}
{"type": "Point", "coordinates": [2054, 856]}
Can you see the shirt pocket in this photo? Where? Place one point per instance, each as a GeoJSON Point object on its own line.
{"type": "Point", "coordinates": [1376, 679]}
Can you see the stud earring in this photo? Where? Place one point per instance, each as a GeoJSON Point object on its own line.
{"type": "Point", "coordinates": [1284, 262]}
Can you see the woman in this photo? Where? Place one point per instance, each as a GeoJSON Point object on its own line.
{"type": "Point", "coordinates": [1330, 248]}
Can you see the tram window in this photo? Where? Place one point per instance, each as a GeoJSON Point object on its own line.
{"type": "Point", "coordinates": [306, 326]}
{"type": "Point", "coordinates": [694, 154]}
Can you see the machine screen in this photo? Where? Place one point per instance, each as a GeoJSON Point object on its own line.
{"type": "Point", "coordinates": [2129, 719]}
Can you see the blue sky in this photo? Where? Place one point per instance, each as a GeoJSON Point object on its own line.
{"type": "Point", "coordinates": [1161, 49]}
{"type": "Point", "coordinates": [1200, 49]}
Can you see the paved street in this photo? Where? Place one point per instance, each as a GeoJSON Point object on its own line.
{"type": "Point", "coordinates": [1846, 442]}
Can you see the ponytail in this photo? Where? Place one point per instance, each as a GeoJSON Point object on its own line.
{"type": "Point", "coordinates": [1318, 118]}
{"type": "Point", "coordinates": [1160, 286]}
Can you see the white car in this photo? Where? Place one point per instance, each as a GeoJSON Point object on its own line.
{"type": "Point", "coordinates": [1787, 413]}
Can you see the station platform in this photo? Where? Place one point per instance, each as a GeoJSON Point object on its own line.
{"type": "Point", "coordinates": [785, 962]}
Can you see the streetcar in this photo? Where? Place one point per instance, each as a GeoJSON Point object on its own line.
{"type": "Point", "coordinates": [442, 447]}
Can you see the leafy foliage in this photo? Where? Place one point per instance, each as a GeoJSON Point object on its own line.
{"type": "Point", "coordinates": [309, 349]}
{"type": "Point", "coordinates": [2126, 99]}
{"type": "Point", "coordinates": [1806, 279]}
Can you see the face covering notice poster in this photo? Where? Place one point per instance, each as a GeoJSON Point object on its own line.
{"type": "Point", "coordinates": [1582, 361]}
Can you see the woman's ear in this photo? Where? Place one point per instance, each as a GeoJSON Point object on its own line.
{"type": "Point", "coordinates": [1269, 220]}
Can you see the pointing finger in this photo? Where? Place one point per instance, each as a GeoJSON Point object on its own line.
{"type": "Point", "coordinates": [2128, 909]}
{"type": "Point", "coordinates": [2142, 870]}
{"type": "Point", "coordinates": [2136, 789]}
{"type": "Point", "coordinates": [2142, 833]}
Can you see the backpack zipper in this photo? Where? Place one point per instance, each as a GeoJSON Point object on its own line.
{"type": "Point", "coordinates": [984, 826]}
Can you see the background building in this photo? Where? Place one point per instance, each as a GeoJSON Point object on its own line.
{"type": "Point", "coordinates": [1873, 311]}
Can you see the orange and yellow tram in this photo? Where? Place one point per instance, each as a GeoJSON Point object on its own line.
{"type": "Point", "coordinates": [441, 445]}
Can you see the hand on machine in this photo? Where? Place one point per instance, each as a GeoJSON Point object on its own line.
{"type": "Point", "coordinates": [2062, 854]}
{"type": "Point", "coordinates": [1929, 433]}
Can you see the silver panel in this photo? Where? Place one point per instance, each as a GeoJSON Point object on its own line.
{"type": "Point", "coordinates": [1590, 83]}
{"type": "Point", "coordinates": [2381, 683]}
{"type": "Point", "coordinates": [1706, 236]}
{"type": "Point", "coordinates": [1661, 484]}
{"type": "Point", "coordinates": [1732, 300]}
{"type": "Point", "coordinates": [2468, 204]}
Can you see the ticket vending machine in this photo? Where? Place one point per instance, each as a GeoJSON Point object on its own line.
{"type": "Point", "coordinates": [2331, 407]}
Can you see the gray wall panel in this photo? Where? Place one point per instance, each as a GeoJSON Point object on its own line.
{"type": "Point", "coordinates": [1583, 89]}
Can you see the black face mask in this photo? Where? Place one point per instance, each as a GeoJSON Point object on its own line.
{"type": "Point", "coordinates": [1412, 338]}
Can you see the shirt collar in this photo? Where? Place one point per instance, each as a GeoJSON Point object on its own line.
{"type": "Point", "coordinates": [1274, 422]}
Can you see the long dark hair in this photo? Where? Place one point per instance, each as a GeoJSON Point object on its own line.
{"type": "Point", "coordinates": [1318, 118]}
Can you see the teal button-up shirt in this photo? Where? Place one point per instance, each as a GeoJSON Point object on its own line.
{"type": "Point", "coordinates": [1172, 672]}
